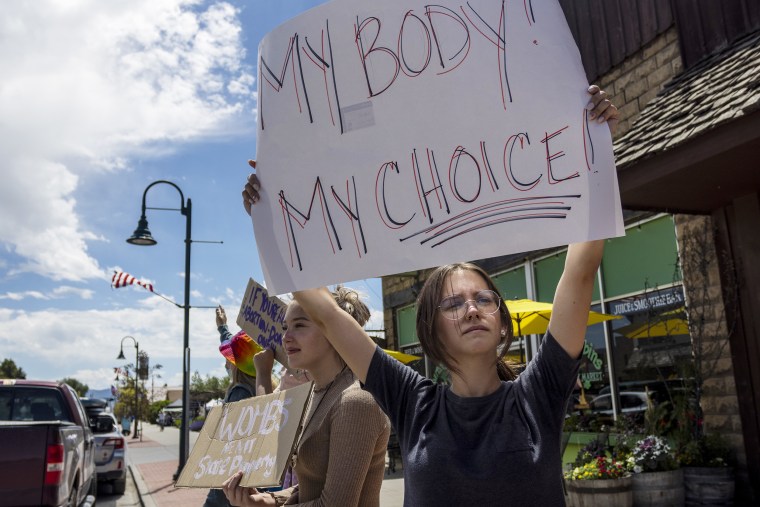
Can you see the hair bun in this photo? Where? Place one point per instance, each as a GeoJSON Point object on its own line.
{"type": "Point", "coordinates": [350, 301]}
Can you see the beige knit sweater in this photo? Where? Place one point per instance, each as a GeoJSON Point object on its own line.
{"type": "Point", "coordinates": [340, 461]}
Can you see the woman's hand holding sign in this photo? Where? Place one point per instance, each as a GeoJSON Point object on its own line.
{"type": "Point", "coordinates": [251, 189]}
{"type": "Point", "coordinates": [601, 108]}
{"type": "Point", "coordinates": [246, 497]}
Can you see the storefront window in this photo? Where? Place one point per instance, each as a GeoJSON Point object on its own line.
{"type": "Point", "coordinates": [593, 373]}
{"type": "Point", "coordinates": [650, 350]}
{"type": "Point", "coordinates": [651, 341]}
{"type": "Point", "coordinates": [407, 336]}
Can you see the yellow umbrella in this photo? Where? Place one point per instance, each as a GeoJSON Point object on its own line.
{"type": "Point", "coordinates": [532, 317]}
{"type": "Point", "coordinates": [670, 323]}
{"type": "Point", "coordinates": [404, 358]}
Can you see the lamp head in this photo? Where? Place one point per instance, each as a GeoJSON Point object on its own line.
{"type": "Point", "coordinates": [121, 354]}
{"type": "Point", "coordinates": [142, 235]}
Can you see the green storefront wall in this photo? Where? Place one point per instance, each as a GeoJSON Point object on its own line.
{"type": "Point", "coordinates": [646, 257]}
{"type": "Point", "coordinates": [407, 335]}
{"type": "Point", "coordinates": [512, 284]}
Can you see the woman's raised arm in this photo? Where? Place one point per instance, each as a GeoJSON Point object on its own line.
{"type": "Point", "coordinates": [343, 332]}
{"type": "Point", "coordinates": [572, 300]}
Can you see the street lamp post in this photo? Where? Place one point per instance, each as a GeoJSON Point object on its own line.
{"type": "Point", "coordinates": [137, 355]}
{"type": "Point", "coordinates": [153, 374]}
{"type": "Point", "coordinates": [142, 236]}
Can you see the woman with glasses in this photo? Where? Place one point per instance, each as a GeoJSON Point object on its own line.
{"type": "Point", "coordinates": [489, 438]}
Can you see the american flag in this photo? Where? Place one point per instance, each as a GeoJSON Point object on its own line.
{"type": "Point", "coordinates": [121, 279]}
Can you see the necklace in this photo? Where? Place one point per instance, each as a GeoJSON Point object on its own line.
{"type": "Point", "coordinates": [325, 391]}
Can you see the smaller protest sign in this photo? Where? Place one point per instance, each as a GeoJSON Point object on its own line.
{"type": "Point", "coordinates": [256, 435]}
{"type": "Point", "coordinates": [262, 316]}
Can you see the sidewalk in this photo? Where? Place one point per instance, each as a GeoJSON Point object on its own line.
{"type": "Point", "coordinates": [153, 461]}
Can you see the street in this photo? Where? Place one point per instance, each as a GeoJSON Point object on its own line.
{"type": "Point", "coordinates": [107, 499]}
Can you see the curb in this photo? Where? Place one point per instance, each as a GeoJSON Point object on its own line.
{"type": "Point", "coordinates": [143, 494]}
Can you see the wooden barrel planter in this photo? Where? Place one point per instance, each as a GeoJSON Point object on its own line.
{"type": "Point", "coordinates": [600, 492]}
{"type": "Point", "coordinates": [658, 489]}
{"type": "Point", "coordinates": [708, 486]}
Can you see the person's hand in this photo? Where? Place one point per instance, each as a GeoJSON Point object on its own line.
{"type": "Point", "coordinates": [251, 190]}
{"type": "Point", "coordinates": [221, 317]}
{"type": "Point", "coordinates": [246, 497]}
{"type": "Point", "coordinates": [601, 108]}
{"type": "Point", "coordinates": [264, 362]}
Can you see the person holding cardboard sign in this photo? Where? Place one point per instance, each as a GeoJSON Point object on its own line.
{"type": "Point", "coordinates": [490, 438]}
{"type": "Point", "coordinates": [238, 351]}
{"type": "Point", "coordinates": [340, 454]}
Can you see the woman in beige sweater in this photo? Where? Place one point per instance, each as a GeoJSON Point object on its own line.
{"type": "Point", "coordinates": [340, 456]}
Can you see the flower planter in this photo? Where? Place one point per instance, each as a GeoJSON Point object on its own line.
{"type": "Point", "coordinates": [600, 492]}
{"type": "Point", "coordinates": [708, 486]}
{"type": "Point", "coordinates": [658, 489]}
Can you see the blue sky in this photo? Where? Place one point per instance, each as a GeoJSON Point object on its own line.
{"type": "Point", "coordinates": [98, 100]}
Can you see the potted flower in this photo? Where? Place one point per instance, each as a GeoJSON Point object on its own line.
{"type": "Point", "coordinates": [597, 479]}
{"type": "Point", "coordinates": [707, 463]}
{"type": "Point", "coordinates": [657, 480]}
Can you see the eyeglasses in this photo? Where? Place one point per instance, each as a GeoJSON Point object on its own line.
{"type": "Point", "coordinates": [455, 307]}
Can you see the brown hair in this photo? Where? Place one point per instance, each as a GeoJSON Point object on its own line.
{"type": "Point", "coordinates": [427, 307]}
{"type": "Point", "coordinates": [349, 301]}
{"type": "Point", "coordinates": [238, 376]}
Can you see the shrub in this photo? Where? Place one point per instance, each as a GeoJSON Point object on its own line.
{"type": "Point", "coordinates": [601, 467]}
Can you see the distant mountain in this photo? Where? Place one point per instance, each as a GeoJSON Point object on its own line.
{"type": "Point", "coordinates": [99, 393]}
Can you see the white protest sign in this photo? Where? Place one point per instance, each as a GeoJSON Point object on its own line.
{"type": "Point", "coordinates": [400, 135]}
{"type": "Point", "coordinates": [262, 316]}
{"type": "Point", "coordinates": [255, 435]}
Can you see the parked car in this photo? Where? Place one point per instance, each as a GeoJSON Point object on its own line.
{"type": "Point", "coordinates": [110, 445]}
{"type": "Point", "coordinates": [47, 448]}
{"type": "Point", "coordinates": [633, 403]}
{"type": "Point", "coordinates": [659, 390]}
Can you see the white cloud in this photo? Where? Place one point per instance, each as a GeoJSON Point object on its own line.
{"type": "Point", "coordinates": [66, 290]}
{"type": "Point", "coordinates": [53, 344]}
{"type": "Point", "coordinates": [57, 293]}
{"type": "Point", "coordinates": [94, 378]}
{"type": "Point", "coordinates": [18, 296]}
{"type": "Point", "coordinates": [101, 83]}
{"type": "Point", "coordinates": [376, 320]}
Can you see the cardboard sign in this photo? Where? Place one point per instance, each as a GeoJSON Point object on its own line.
{"type": "Point", "coordinates": [262, 316]}
{"type": "Point", "coordinates": [256, 435]}
{"type": "Point", "coordinates": [400, 135]}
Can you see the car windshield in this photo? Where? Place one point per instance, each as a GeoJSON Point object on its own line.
{"type": "Point", "coordinates": [31, 404]}
{"type": "Point", "coordinates": [603, 402]}
{"type": "Point", "coordinates": [103, 423]}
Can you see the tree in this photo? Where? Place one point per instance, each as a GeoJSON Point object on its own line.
{"type": "Point", "coordinates": [208, 388]}
{"type": "Point", "coordinates": [154, 408]}
{"type": "Point", "coordinates": [8, 369]}
{"type": "Point", "coordinates": [712, 292]}
{"type": "Point", "coordinates": [153, 376]}
{"type": "Point", "coordinates": [76, 385]}
{"type": "Point", "coordinates": [125, 406]}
